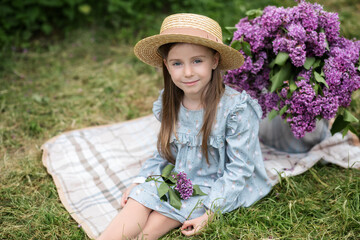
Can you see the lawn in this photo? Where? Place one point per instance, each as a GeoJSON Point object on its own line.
{"type": "Point", "coordinates": [92, 78]}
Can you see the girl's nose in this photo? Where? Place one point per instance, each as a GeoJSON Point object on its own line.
{"type": "Point", "coordinates": [188, 71]}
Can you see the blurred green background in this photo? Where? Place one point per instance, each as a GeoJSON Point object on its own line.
{"type": "Point", "coordinates": [23, 21]}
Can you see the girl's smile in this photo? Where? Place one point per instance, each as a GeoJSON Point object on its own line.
{"type": "Point", "coordinates": [191, 83]}
{"type": "Point", "coordinates": [190, 67]}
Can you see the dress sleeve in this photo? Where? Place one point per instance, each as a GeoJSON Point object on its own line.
{"type": "Point", "coordinates": [242, 141]}
{"type": "Point", "coordinates": [155, 164]}
{"type": "Point", "coordinates": [152, 166]}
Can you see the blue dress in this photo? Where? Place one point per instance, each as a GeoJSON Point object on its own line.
{"type": "Point", "coordinates": [236, 175]}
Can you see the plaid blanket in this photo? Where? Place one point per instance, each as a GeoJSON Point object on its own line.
{"type": "Point", "coordinates": [91, 167]}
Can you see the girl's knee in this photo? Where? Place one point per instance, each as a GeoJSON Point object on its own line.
{"type": "Point", "coordinates": [129, 222]}
{"type": "Point", "coordinates": [158, 225]}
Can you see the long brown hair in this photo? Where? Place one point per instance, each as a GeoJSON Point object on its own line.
{"type": "Point", "coordinates": [171, 100]}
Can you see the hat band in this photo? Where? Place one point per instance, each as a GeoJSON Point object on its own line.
{"type": "Point", "coordinates": [192, 32]}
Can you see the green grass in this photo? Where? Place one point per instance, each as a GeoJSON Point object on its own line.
{"type": "Point", "coordinates": [300, 207]}
{"type": "Point", "coordinates": [89, 79]}
{"type": "Point", "coordinates": [84, 81]}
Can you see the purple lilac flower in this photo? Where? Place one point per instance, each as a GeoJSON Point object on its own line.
{"type": "Point", "coordinates": [297, 32]}
{"type": "Point", "coordinates": [298, 55]}
{"type": "Point", "coordinates": [331, 24]}
{"type": "Point", "coordinates": [303, 31]}
{"type": "Point", "coordinates": [321, 45]}
{"type": "Point", "coordinates": [184, 186]}
{"type": "Point", "coordinates": [273, 18]}
{"type": "Point", "coordinates": [283, 44]}
{"type": "Point", "coordinates": [306, 14]}
{"type": "Point", "coordinates": [255, 35]}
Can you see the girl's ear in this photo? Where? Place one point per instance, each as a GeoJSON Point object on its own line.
{"type": "Point", "coordinates": [216, 60]}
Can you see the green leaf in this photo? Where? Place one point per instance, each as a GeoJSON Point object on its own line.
{"type": "Point", "coordinates": [342, 122]}
{"type": "Point", "coordinates": [254, 13]}
{"type": "Point", "coordinates": [316, 88]}
{"type": "Point", "coordinates": [317, 63]}
{"type": "Point", "coordinates": [272, 114]}
{"type": "Point", "coordinates": [167, 170]}
{"type": "Point", "coordinates": [272, 64]}
{"type": "Point", "coordinates": [231, 29]}
{"type": "Point", "coordinates": [353, 130]}
{"type": "Point", "coordinates": [281, 58]}
{"type": "Point", "coordinates": [322, 73]}
{"type": "Point", "coordinates": [170, 180]}
{"type": "Point", "coordinates": [348, 117]}
{"type": "Point", "coordinates": [246, 48]}
{"type": "Point", "coordinates": [345, 131]}
{"type": "Point", "coordinates": [236, 45]}
{"type": "Point", "coordinates": [174, 199]}
{"type": "Point", "coordinates": [283, 110]}
{"type": "Point", "coordinates": [170, 177]}
{"type": "Point", "coordinates": [292, 85]}
{"type": "Point", "coordinates": [327, 44]}
{"type": "Point", "coordinates": [228, 34]}
{"type": "Point", "coordinates": [300, 78]}
{"type": "Point", "coordinates": [164, 198]}
{"type": "Point", "coordinates": [282, 75]}
{"type": "Point", "coordinates": [309, 62]}
{"type": "Point", "coordinates": [163, 189]}
{"type": "Point", "coordinates": [338, 125]}
{"type": "Point", "coordinates": [320, 79]}
{"type": "Point", "coordinates": [197, 191]}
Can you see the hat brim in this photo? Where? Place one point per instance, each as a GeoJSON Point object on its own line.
{"type": "Point", "coordinates": [147, 49]}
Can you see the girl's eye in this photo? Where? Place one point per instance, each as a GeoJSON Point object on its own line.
{"type": "Point", "coordinates": [197, 61]}
{"type": "Point", "coordinates": [176, 64]}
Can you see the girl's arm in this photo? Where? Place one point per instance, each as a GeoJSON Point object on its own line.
{"type": "Point", "coordinates": [152, 166]}
{"type": "Point", "coordinates": [244, 180]}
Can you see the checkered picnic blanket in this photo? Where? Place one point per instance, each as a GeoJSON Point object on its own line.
{"type": "Point", "coordinates": [91, 167]}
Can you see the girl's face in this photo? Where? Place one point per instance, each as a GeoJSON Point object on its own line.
{"type": "Point", "coordinates": [190, 67]}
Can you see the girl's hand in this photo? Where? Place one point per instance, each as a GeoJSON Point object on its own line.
{"type": "Point", "coordinates": [125, 195]}
{"type": "Point", "coordinates": [195, 225]}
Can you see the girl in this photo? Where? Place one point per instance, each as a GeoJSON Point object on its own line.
{"type": "Point", "coordinates": [208, 130]}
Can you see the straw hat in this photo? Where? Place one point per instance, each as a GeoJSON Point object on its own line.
{"type": "Point", "coordinates": [188, 28]}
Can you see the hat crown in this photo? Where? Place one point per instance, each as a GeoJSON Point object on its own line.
{"type": "Point", "coordinates": [194, 21]}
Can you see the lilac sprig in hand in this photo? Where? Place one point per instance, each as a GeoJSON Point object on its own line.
{"type": "Point", "coordinates": [175, 186]}
{"type": "Point", "coordinates": [183, 186]}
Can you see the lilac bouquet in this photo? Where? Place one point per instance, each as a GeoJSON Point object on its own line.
{"type": "Point", "coordinates": [175, 186]}
{"type": "Point", "coordinates": [297, 65]}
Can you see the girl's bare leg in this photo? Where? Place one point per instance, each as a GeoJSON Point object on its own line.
{"type": "Point", "coordinates": [128, 223]}
{"type": "Point", "coordinates": [157, 225]}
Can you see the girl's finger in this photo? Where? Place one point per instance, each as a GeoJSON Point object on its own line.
{"type": "Point", "coordinates": [188, 228]}
{"type": "Point", "coordinates": [186, 224]}
{"type": "Point", "coordinates": [188, 232]}
{"type": "Point", "coordinates": [124, 199]}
